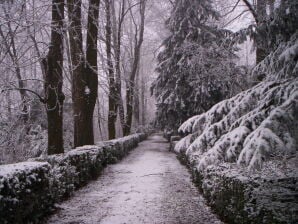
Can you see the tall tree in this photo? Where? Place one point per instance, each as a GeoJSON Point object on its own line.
{"type": "Point", "coordinates": [136, 99]}
{"type": "Point", "coordinates": [10, 46]}
{"type": "Point", "coordinates": [130, 85]}
{"type": "Point", "coordinates": [84, 66]}
{"type": "Point", "coordinates": [194, 65]}
{"type": "Point", "coordinates": [261, 52]}
{"type": "Point", "coordinates": [264, 118]}
{"type": "Point", "coordinates": [91, 71]}
{"type": "Point", "coordinates": [112, 115]}
{"type": "Point", "coordinates": [114, 26]}
{"type": "Point", "coordinates": [54, 96]}
{"type": "Point", "coordinates": [117, 35]}
{"type": "Point", "coordinates": [258, 10]}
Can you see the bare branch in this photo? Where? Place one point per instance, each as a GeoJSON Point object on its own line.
{"type": "Point", "coordinates": [252, 10]}
{"type": "Point", "coordinates": [41, 99]}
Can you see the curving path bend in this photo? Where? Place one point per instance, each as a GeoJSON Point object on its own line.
{"type": "Point", "coordinates": [149, 186]}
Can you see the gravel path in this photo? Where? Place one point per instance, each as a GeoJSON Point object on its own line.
{"type": "Point", "coordinates": [149, 186]}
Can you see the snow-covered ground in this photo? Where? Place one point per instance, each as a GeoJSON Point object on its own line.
{"type": "Point", "coordinates": [148, 186]}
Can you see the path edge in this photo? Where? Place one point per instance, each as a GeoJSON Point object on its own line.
{"type": "Point", "coordinates": [29, 190]}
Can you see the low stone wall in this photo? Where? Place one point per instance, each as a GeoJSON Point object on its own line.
{"type": "Point", "coordinates": [240, 196]}
{"type": "Point", "coordinates": [173, 141]}
{"type": "Point", "coordinates": [29, 190]}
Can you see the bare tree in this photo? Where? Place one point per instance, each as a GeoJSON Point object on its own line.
{"type": "Point", "coordinates": [53, 64]}
{"type": "Point", "coordinates": [117, 34]}
{"type": "Point", "coordinates": [112, 115]}
{"type": "Point", "coordinates": [114, 28]}
{"type": "Point", "coordinates": [84, 70]}
{"type": "Point", "coordinates": [130, 85]}
{"type": "Point", "coordinates": [10, 46]}
{"type": "Point", "coordinates": [91, 78]}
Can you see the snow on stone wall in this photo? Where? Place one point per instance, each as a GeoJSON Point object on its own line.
{"type": "Point", "coordinates": [238, 195]}
{"type": "Point", "coordinates": [29, 190]}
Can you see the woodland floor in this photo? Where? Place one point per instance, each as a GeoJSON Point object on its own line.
{"type": "Point", "coordinates": [148, 186]}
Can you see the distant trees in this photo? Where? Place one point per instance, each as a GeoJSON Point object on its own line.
{"type": "Point", "coordinates": [8, 39]}
{"type": "Point", "coordinates": [130, 84]}
{"type": "Point", "coordinates": [53, 59]}
{"type": "Point", "coordinates": [84, 65]}
{"type": "Point", "coordinates": [52, 66]}
{"type": "Point", "coordinates": [195, 67]}
{"type": "Point", "coordinates": [114, 30]}
{"type": "Point", "coordinates": [22, 51]}
{"type": "Point", "coordinates": [117, 33]}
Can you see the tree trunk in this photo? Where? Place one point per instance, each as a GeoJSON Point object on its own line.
{"type": "Point", "coordinates": [131, 82]}
{"type": "Point", "coordinates": [12, 51]}
{"type": "Point", "coordinates": [261, 52]}
{"type": "Point", "coordinates": [8, 98]}
{"type": "Point", "coordinates": [271, 6]}
{"type": "Point", "coordinates": [91, 71]}
{"type": "Point", "coordinates": [136, 110]}
{"type": "Point", "coordinates": [76, 52]}
{"type": "Point", "coordinates": [25, 113]}
{"type": "Point", "coordinates": [54, 80]}
{"type": "Point", "coordinates": [99, 120]}
{"type": "Point", "coordinates": [84, 80]}
{"type": "Point", "coordinates": [259, 13]}
{"type": "Point", "coordinates": [117, 32]}
{"type": "Point", "coordinates": [112, 116]}
{"type": "Point", "coordinates": [143, 103]}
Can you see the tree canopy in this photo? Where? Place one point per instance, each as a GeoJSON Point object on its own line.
{"type": "Point", "coordinates": [195, 65]}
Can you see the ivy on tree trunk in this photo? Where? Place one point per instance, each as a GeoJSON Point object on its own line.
{"type": "Point", "coordinates": [84, 74]}
{"type": "Point", "coordinates": [53, 64]}
{"type": "Point", "coordinates": [112, 116]}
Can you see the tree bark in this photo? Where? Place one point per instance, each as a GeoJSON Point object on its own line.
{"type": "Point", "coordinates": [84, 70]}
{"type": "Point", "coordinates": [143, 103]}
{"type": "Point", "coordinates": [261, 52]}
{"type": "Point", "coordinates": [12, 51]}
{"type": "Point", "coordinates": [259, 13]}
{"type": "Point", "coordinates": [131, 82]}
{"type": "Point", "coordinates": [91, 71]}
{"type": "Point", "coordinates": [53, 65]}
{"type": "Point", "coordinates": [271, 6]}
{"type": "Point", "coordinates": [76, 52]}
{"type": "Point", "coordinates": [117, 33]}
{"type": "Point", "coordinates": [137, 99]}
{"type": "Point", "coordinates": [112, 115]}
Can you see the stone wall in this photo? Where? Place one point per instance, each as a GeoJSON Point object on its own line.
{"type": "Point", "coordinates": [240, 196]}
{"type": "Point", "coordinates": [29, 190]}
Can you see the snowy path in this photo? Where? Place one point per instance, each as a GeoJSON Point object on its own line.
{"type": "Point", "coordinates": [148, 186]}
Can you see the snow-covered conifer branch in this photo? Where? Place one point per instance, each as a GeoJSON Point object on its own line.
{"type": "Point", "coordinates": [254, 126]}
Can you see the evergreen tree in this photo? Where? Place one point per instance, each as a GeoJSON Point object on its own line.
{"type": "Point", "coordinates": [260, 124]}
{"type": "Point", "coordinates": [269, 30]}
{"type": "Point", "coordinates": [195, 65]}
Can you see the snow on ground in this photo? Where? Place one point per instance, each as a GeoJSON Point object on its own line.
{"type": "Point", "coordinates": [149, 186]}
